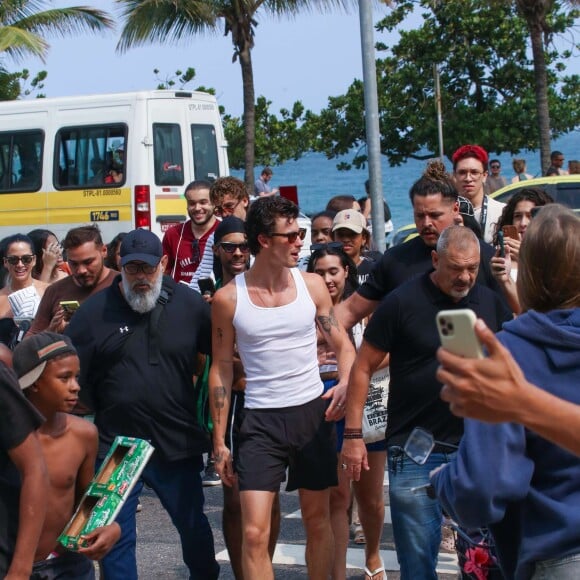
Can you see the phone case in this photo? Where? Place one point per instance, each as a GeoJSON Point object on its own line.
{"type": "Point", "coordinates": [511, 232]}
{"type": "Point", "coordinates": [456, 332]}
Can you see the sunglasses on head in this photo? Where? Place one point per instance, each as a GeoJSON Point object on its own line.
{"type": "Point", "coordinates": [328, 246]}
{"type": "Point", "coordinates": [291, 237]}
{"type": "Point", "coordinates": [13, 260]}
{"type": "Point", "coordinates": [231, 247]}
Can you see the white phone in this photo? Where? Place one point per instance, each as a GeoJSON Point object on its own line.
{"type": "Point", "coordinates": [457, 334]}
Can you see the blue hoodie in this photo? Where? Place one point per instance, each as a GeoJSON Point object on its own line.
{"type": "Point", "coordinates": [521, 486]}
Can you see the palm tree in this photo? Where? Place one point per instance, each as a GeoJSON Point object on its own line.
{"type": "Point", "coordinates": [537, 14]}
{"type": "Point", "coordinates": [23, 25]}
{"type": "Point", "coordinates": [170, 20]}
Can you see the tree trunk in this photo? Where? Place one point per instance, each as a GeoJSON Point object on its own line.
{"type": "Point", "coordinates": [541, 82]}
{"type": "Point", "coordinates": [245, 56]}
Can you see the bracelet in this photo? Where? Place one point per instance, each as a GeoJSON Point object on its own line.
{"type": "Point", "coordinates": [352, 436]}
{"type": "Point", "coordinates": [347, 430]}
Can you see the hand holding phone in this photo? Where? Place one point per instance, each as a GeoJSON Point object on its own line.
{"type": "Point", "coordinates": [457, 334]}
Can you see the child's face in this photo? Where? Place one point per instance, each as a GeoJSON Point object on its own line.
{"type": "Point", "coordinates": [57, 387]}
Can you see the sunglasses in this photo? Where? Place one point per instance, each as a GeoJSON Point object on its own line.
{"type": "Point", "coordinates": [13, 260]}
{"type": "Point", "coordinates": [291, 237]}
{"type": "Point", "coordinates": [227, 208]}
{"type": "Point", "coordinates": [230, 247]}
{"type": "Point", "coordinates": [133, 268]}
{"type": "Point", "coordinates": [328, 246]}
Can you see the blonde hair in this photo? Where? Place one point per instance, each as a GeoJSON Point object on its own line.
{"type": "Point", "coordinates": [549, 261]}
{"type": "Point", "coordinates": [519, 165]}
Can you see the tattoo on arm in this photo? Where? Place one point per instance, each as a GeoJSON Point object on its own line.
{"type": "Point", "coordinates": [327, 322]}
{"type": "Point", "coordinates": [219, 396]}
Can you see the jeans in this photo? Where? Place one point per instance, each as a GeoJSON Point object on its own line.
{"type": "Point", "coordinates": [178, 486]}
{"type": "Point", "coordinates": [565, 568]}
{"type": "Point", "coordinates": [68, 566]}
{"type": "Point", "coordinates": [416, 518]}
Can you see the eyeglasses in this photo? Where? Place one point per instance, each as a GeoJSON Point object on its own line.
{"type": "Point", "coordinates": [465, 206]}
{"type": "Point", "coordinates": [291, 237]}
{"type": "Point", "coordinates": [495, 166]}
{"type": "Point", "coordinates": [227, 208]}
{"type": "Point", "coordinates": [328, 246]}
{"type": "Point", "coordinates": [134, 268]}
{"type": "Point", "coordinates": [463, 173]}
{"type": "Point", "coordinates": [13, 260]}
{"type": "Point", "coordinates": [230, 247]}
{"type": "Point", "coordinates": [195, 255]}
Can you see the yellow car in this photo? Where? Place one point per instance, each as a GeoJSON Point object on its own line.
{"type": "Point", "coordinates": [564, 189]}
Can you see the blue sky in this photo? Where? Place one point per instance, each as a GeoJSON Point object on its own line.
{"type": "Point", "coordinates": [307, 58]}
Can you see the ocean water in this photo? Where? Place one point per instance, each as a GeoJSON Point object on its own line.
{"type": "Point", "coordinates": [318, 179]}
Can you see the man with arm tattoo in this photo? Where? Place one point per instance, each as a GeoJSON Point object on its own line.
{"type": "Point", "coordinates": [271, 313]}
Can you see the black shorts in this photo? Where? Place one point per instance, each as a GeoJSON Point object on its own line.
{"type": "Point", "coordinates": [297, 438]}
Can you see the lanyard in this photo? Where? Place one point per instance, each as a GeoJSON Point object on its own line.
{"type": "Point", "coordinates": [483, 215]}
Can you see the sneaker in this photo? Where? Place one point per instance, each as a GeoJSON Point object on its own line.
{"type": "Point", "coordinates": [210, 476]}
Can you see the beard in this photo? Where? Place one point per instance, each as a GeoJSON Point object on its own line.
{"type": "Point", "coordinates": [142, 302]}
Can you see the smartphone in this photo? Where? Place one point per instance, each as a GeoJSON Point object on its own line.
{"type": "Point", "coordinates": [457, 334]}
{"type": "Point", "coordinates": [500, 241]}
{"type": "Point", "coordinates": [206, 286]}
{"type": "Point", "coordinates": [511, 232]}
{"type": "Point", "coordinates": [69, 306]}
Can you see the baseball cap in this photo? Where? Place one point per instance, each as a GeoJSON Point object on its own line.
{"type": "Point", "coordinates": [141, 246]}
{"type": "Point", "coordinates": [31, 355]}
{"type": "Point", "coordinates": [229, 225]}
{"type": "Point", "coordinates": [351, 220]}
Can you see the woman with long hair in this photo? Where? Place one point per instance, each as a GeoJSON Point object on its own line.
{"type": "Point", "coordinates": [518, 213]}
{"type": "Point", "coordinates": [340, 276]}
{"type": "Point", "coordinates": [50, 265]}
{"type": "Point", "coordinates": [520, 485]}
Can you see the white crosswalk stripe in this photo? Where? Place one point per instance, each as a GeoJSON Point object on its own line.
{"type": "Point", "coordinates": [293, 554]}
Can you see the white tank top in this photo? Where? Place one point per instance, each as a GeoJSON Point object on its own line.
{"type": "Point", "coordinates": [277, 347]}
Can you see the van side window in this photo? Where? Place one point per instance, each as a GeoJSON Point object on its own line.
{"type": "Point", "coordinates": [167, 154]}
{"type": "Point", "coordinates": [21, 160]}
{"type": "Point", "coordinates": [205, 153]}
{"type": "Point", "coordinates": [87, 157]}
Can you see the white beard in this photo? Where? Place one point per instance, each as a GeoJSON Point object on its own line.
{"type": "Point", "coordinates": [142, 302]}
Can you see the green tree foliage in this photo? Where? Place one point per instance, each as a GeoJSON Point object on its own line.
{"type": "Point", "coordinates": [24, 25]}
{"type": "Point", "coordinates": [23, 28]}
{"type": "Point", "coordinates": [487, 85]}
{"type": "Point", "coordinates": [278, 138]}
{"type": "Point", "coordinates": [148, 21]}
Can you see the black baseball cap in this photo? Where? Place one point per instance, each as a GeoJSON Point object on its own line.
{"type": "Point", "coordinates": [31, 355]}
{"type": "Point", "coordinates": [141, 246]}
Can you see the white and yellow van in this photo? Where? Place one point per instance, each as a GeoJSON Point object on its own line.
{"type": "Point", "coordinates": [120, 160]}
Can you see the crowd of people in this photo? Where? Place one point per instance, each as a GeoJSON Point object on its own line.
{"type": "Point", "coordinates": [148, 337]}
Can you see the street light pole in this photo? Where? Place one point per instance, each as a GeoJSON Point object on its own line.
{"type": "Point", "coordinates": [372, 123]}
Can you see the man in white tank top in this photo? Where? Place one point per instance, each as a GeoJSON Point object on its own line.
{"type": "Point", "coordinates": [271, 312]}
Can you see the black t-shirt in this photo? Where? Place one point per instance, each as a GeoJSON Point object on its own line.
{"type": "Point", "coordinates": [404, 325]}
{"type": "Point", "coordinates": [130, 395]}
{"type": "Point", "coordinates": [405, 261]}
{"type": "Point", "coordinates": [18, 418]}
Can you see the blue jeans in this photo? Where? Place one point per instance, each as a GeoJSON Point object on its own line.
{"type": "Point", "coordinates": [178, 486]}
{"type": "Point", "coordinates": [416, 518]}
{"type": "Point", "coordinates": [565, 568]}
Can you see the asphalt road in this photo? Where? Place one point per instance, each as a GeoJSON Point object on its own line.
{"type": "Point", "coordinates": [159, 551]}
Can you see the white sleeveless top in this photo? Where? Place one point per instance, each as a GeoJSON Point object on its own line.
{"type": "Point", "coordinates": [277, 347]}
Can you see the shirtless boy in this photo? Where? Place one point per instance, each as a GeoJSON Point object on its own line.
{"type": "Point", "coordinates": [47, 367]}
